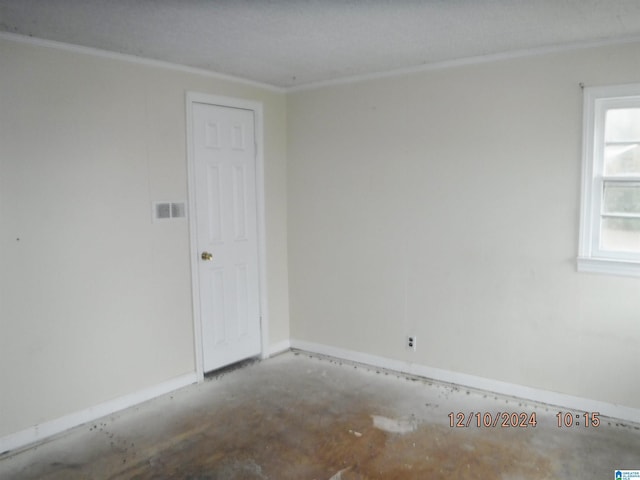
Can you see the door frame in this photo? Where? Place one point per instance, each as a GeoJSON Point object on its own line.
{"type": "Point", "coordinates": [256, 107]}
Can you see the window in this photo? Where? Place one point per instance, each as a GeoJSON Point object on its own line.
{"type": "Point", "coordinates": [610, 216]}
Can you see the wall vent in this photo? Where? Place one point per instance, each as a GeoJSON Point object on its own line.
{"type": "Point", "coordinates": [168, 210]}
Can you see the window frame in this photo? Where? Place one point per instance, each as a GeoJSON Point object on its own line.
{"type": "Point", "coordinates": [591, 258]}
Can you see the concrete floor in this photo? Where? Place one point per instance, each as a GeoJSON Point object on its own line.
{"type": "Point", "coordinates": [304, 417]}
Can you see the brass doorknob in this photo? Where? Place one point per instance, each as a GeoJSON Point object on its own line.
{"type": "Point", "coordinates": [207, 256]}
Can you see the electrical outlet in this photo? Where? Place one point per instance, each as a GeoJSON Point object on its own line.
{"type": "Point", "coordinates": [411, 342]}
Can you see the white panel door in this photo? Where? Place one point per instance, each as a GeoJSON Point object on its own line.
{"type": "Point", "coordinates": [226, 224]}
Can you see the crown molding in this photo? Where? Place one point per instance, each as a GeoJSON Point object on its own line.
{"type": "Point", "coordinates": [462, 62]}
{"type": "Point", "coordinates": [434, 66]}
{"type": "Point", "coordinates": [96, 52]}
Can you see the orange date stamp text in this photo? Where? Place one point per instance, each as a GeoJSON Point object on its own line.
{"type": "Point", "coordinates": [492, 420]}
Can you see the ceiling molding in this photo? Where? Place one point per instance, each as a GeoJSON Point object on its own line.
{"type": "Point", "coordinates": [462, 62]}
{"type": "Point", "coordinates": [96, 52]}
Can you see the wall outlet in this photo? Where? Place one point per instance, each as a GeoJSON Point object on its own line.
{"type": "Point", "coordinates": [411, 342]}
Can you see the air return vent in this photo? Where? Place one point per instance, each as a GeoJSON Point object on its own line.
{"type": "Point", "coordinates": [168, 210]}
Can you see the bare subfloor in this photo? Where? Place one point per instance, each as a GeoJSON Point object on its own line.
{"type": "Point", "coordinates": [304, 417]}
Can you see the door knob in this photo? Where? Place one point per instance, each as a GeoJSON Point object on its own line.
{"type": "Point", "coordinates": [207, 256]}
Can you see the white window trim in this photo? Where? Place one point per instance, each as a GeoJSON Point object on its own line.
{"type": "Point", "coordinates": [590, 257]}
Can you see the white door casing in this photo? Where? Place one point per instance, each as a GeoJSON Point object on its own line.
{"type": "Point", "coordinates": [227, 213]}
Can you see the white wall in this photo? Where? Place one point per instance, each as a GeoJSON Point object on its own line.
{"type": "Point", "coordinates": [445, 204]}
{"type": "Point", "coordinates": [442, 204]}
{"type": "Point", "coordinates": [95, 299]}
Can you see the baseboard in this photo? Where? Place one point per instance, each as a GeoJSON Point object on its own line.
{"type": "Point", "coordinates": [513, 390]}
{"type": "Point", "coordinates": [48, 429]}
{"type": "Point", "coordinates": [278, 348]}
{"type": "Point", "coordinates": [40, 432]}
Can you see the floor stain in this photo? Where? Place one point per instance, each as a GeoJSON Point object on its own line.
{"type": "Point", "coordinates": [267, 441]}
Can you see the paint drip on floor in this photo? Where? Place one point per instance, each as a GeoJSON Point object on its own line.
{"type": "Point", "coordinates": [391, 425]}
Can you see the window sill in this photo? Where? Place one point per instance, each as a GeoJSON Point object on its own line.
{"type": "Point", "coordinates": [625, 268]}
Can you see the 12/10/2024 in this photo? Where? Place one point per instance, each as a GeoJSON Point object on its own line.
{"type": "Point", "coordinates": [491, 420]}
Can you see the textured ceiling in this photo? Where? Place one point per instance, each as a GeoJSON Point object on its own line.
{"type": "Point", "coordinates": [288, 43]}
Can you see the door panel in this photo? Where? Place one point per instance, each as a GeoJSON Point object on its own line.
{"type": "Point", "coordinates": [226, 220]}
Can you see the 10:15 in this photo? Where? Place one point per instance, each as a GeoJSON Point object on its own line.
{"type": "Point", "coordinates": [591, 419]}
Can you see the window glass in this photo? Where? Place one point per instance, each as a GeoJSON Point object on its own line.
{"type": "Point", "coordinates": [622, 125]}
{"type": "Point", "coordinates": [620, 234]}
{"type": "Point", "coordinates": [622, 142]}
{"type": "Point", "coordinates": [622, 160]}
{"type": "Point", "coordinates": [621, 198]}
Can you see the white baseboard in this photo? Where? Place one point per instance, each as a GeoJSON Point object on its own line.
{"type": "Point", "coordinates": [279, 347]}
{"type": "Point", "coordinates": [513, 390]}
{"type": "Point", "coordinates": [44, 430]}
